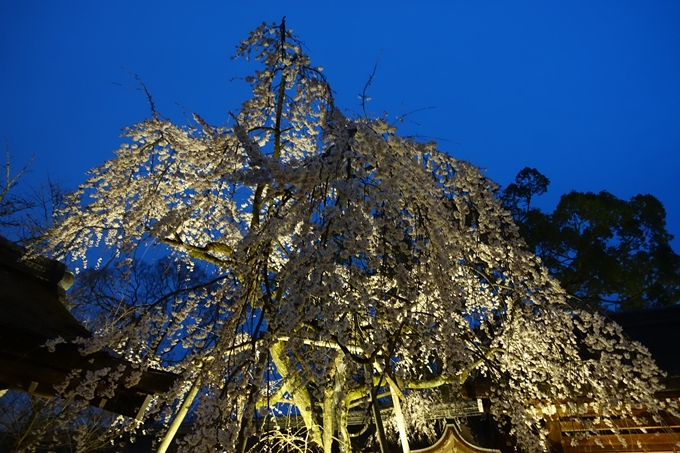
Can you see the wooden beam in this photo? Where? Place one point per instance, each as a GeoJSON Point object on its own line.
{"type": "Point", "coordinates": [621, 424]}
{"type": "Point", "coordinates": [634, 443]}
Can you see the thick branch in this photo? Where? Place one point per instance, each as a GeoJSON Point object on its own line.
{"type": "Point", "coordinates": [203, 253]}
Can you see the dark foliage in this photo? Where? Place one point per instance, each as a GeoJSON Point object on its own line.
{"type": "Point", "coordinates": [606, 252]}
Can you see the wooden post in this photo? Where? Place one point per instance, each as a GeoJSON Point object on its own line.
{"type": "Point", "coordinates": [401, 423]}
{"type": "Point", "coordinates": [179, 417]}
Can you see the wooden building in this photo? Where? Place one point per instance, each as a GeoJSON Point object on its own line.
{"type": "Point", "coordinates": [32, 311]}
{"type": "Point", "coordinates": [659, 330]}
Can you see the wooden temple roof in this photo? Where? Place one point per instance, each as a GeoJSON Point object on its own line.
{"type": "Point", "coordinates": [32, 311]}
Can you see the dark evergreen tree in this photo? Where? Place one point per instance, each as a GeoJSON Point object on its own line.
{"type": "Point", "coordinates": [605, 251]}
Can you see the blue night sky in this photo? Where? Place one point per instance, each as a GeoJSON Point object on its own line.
{"type": "Point", "coordinates": [587, 92]}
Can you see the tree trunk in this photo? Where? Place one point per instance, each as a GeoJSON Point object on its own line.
{"type": "Point", "coordinates": [297, 390]}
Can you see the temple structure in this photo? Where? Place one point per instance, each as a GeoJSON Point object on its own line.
{"type": "Point", "coordinates": [32, 312]}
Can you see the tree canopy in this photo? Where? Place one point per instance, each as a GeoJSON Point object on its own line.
{"type": "Point", "coordinates": [606, 252]}
{"type": "Point", "coordinates": [336, 257]}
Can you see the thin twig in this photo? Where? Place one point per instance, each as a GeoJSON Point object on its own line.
{"type": "Point", "coordinates": [143, 88]}
{"type": "Point", "coordinates": [364, 98]}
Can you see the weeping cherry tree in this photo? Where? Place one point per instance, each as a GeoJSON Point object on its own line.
{"type": "Point", "coordinates": [343, 260]}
